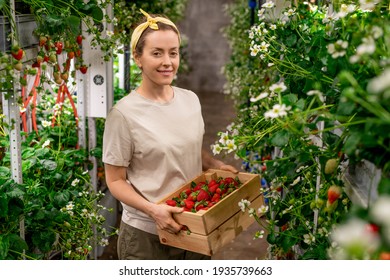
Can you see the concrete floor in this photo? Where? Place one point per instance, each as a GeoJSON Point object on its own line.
{"type": "Point", "coordinates": [218, 112]}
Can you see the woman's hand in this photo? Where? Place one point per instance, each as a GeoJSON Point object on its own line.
{"type": "Point", "coordinates": [162, 214]}
{"type": "Point", "coordinates": [227, 167]}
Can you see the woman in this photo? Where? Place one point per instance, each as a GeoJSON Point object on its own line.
{"type": "Point", "coordinates": [153, 144]}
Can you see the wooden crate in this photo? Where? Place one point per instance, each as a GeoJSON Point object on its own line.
{"type": "Point", "coordinates": [211, 229]}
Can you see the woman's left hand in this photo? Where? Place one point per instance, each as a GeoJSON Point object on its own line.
{"type": "Point", "coordinates": [227, 167]}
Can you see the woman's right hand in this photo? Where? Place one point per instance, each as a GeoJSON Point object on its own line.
{"type": "Point", "coordinates": [162, 214]}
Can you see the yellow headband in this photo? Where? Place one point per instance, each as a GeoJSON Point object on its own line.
{"type": "Point", "coordinates": [152, 23]}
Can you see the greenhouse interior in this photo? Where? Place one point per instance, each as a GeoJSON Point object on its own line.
{"type": "Point", "coordinates": [282, 154]}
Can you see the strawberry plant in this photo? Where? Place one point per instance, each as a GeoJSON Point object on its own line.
{"type": "Point", "coordinates": [310, 84]}
{"type": "Point", "coordinates": [205, 194]}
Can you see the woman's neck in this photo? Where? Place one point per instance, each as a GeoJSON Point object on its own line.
{"type": "Point", "coordinates": [160, 94]}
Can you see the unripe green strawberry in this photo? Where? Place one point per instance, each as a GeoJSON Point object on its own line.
{"type": "Point", "coordinates": [331, 166]}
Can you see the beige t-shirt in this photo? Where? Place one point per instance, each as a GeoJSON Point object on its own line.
{"type": "Point", "coordinates": [160, 144]}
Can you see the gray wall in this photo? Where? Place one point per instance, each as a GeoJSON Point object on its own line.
{"type": "Point", "coordinates": [207, 49]}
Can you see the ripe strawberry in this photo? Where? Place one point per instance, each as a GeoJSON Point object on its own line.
{"type": "Point", "coordinates": [384, 256]}
{"type": "Point", "coordinates": [171, 202]}
{"type": "Point", "coordinates": [71, 54]}
{"type": "Point", "coordinates": [203, 195]}
{"type": "Point", "coordinates": [216, 197]}
{"type": "Point", "coordinates": [79, 39]}
{"type": "Point", "coordinates": [372, 228]}
{"type": "Point", "coordinates": [17, 53]}
{"type": "Point", "coordinates": [59, 46]}
{"type": "Point", "coordinates": [334, 192]}
{"type": "Point", "coordinates": [189, 203]}
{"type": "Point", "coordinates": [330, 166]}
{"type": "Point", "coordinates": [83, 69]}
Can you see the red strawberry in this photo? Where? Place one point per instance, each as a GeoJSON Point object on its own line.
{"type": "Point", "coordinates": [58, 46]}
{"type": "Point", "coordinates": [334, 192]}
{"type": "Point", "coordinates": [71, 54]}
{"type": "Point", "coordinates": [79, 39]}
{"type": "Point", "coordinates": [83, 69]}
{"type": "Point", "coordinates": [203, 195]}
{"type": "Point", "coordinates": [189, 203]}
{"type": "Point", "coordinates": [216, 197]}
{"type": "Point", "coordinates": [171, 202]}
{"type": "Point", "coordinates": [373, 228]}
{"type": "Point", "coordinates": [384, 256]}
{"type": "Point", "coordinates": [17, 53]}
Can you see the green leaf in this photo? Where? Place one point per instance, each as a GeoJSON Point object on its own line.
{"type": "Point", "coordinates": [54, 20]}
{"type": "Point", "coordinates": [49, 164]}
{"type": "Point", "coordinates": [3, 206]}
{"type": "Point", "coordinates": [17, 243]}
{"type": "Point", "coordinates": [384, 186]}
{"type": "Point", "coordinates": [5, 171]}
{"type": "Point", "coordinates": [351, 143]}
{"type": "Point", "coordinates": [74, 23]}
{"type": "Point", "coordinates": [97, 14]}
{"type": "Point", "coordinates": [62, 198]}
{"type": "Point", "coordinates": [287, 241]}
{"type": "Point", "coordinates": [16, 193]}
{"type": "Point", "coordinates": [4, 246]}
{"type": "Point", "coordinates": [43, 240]}
{"type": "Point", "coordinates": [291, 40]}
{"type": "Point", "coordinates": [280, 138]}
{"type": "Point", "coordinates": [2, 3]}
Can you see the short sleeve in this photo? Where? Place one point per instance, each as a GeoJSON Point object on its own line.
{"type": "Point", "coordinates": [117, 144]}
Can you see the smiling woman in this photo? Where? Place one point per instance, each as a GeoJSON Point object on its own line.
{"type": "Point", "coordinates": [153, 144]}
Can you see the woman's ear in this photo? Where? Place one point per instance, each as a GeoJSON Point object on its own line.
{"type": "Point", "coordinates": [137, 60]}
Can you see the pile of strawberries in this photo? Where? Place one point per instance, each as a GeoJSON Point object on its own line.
{"type": "Point", "coordinates": [203, 195]}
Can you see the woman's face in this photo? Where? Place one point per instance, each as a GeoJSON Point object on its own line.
{"type": "Point", "coordinates": [160, 58]}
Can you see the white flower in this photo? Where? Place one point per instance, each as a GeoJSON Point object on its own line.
{"type": "Point", "coordinates": [254, 50]}
{"type": "Point", "coordinates": [243, 204]}
{"type": "Point", "coordinates": [377, 32]}
{"type": "Point", "coordinates": [345, 10]}
{"type": "Point", "coordinates": [251, 212]}
{"type": "Point", "coordinates": [268, 5]}
{"type": "Point", "coordinates": [259, 97]}
{"type": "Point", "coordinates": [380, 210]}
{"type": "Point", "coordinates": [277, 111]}
{"type": "Point", "coordinates": [263, 47]}
{"type": "Point", "coordinates": [316, 92]}
{"type": "Point", "coordinates": [22, 109]}
{"type": "Point", "coordinates": [216, 149]}
{"type": "Point", "coordinates": [379, 83]}
{"type": "Point", "coordinates": [46, 123]}
{"type": "Point", "coordinates": [354, 238]}
{"type": "Point", "coordinates": [290, 12]}
{"type": "Point", "coordinates": [309, 238]}
{"type": "Point", "coordinates": [367, 47]}
{"type": "Point", "coordinates": [75, 182]}
{"type": "Point", "coordinates": [259, 234]}
{"type": "Point", "coordinates": [45, 144]}
{"type": "Point", "coordinates": [273, 27]}
{"type": "Point", "coordinates": [69, 206]}
{"type": "Point", "coordinates": [230, 145]}
{"type": "Point", "coordinates": [338, 48]}
{"type": "Point", "coordinates": [368, 4]}
{"type": "Point", "coordinates": [296, 181]}
{"type": "Point", "coordinates": [278, 87]}
{"type": "Point", "coordinates": [57, 106]}
{"type": "Point", "coordinates": [263, 209]}
{"type": "Point", "coordinates": [224, 137]}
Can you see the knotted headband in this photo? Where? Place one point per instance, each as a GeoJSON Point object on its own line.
{"type": "Point", "coordinates": [152, 23]}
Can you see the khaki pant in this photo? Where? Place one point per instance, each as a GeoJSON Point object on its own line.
{"type": "Point", "coordinates": [135, 244]}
